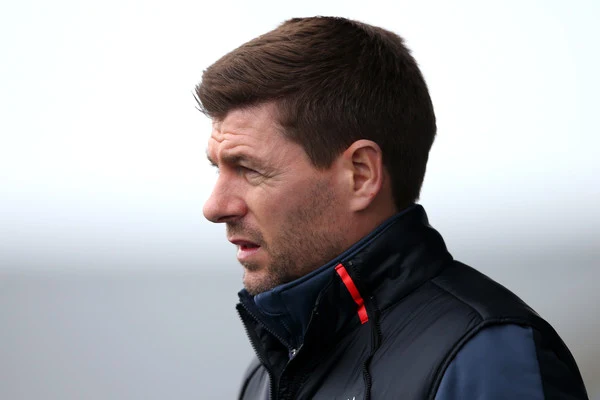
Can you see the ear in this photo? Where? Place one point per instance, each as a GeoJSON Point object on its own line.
{"type": "Point", "coordinates": [363, 161]}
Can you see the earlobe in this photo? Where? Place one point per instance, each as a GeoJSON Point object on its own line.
{"type": "Point", "coordinates": [366, 166]}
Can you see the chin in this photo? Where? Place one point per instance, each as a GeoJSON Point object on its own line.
{"type": "Point", "coordinates": [258, 281]}
{"type": "Point", "coordinates": [255, 282]}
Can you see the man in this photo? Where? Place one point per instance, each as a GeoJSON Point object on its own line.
{"type": "Point", "coordinates": [321, 134]}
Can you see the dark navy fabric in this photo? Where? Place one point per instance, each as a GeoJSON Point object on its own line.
{"type": "Point", "coordinates": [500, 362]}
{"type": "Point", "coordinates": [289, 306]}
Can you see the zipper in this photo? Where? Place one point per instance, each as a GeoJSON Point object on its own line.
{"type": "Point", "coordinates": [258, 354]}
{"type": "Point", "coordinates": [376, 342]}
{"type": "Point", "coordinates": [281, 340]}
{"type": "Point", "coordinates": [292, 351]}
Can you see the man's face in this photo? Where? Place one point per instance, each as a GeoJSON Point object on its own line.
{"type": "Point", "coordinates": [284, 215]}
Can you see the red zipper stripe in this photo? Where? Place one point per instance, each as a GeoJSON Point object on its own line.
{"type": "Point", "coordinates": [362, 311]}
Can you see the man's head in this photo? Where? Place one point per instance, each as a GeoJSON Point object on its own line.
{"type": "Point", "coordinates": [321, 130]}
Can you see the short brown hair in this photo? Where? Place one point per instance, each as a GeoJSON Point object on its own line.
{"type": "Point", "coordinates": [334, 81]}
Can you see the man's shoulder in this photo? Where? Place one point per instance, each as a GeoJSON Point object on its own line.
{"type": "Point", "coordinates": [486, 297]}
{"type": "Point", "coordinates": [497, 314]}
{"type": "Point", "coordinates": [509, 361]}
{"type": "Point", "coordinates": [431, 323]}
{"type": "Point", "coordinates": [462, 299]}
{"type": "Point", "coordinates": [458, 317]}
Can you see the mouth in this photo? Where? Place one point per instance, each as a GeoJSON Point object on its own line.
{"type": "Point", "coordinates": [246, 249]}
{"type": "Point", "coordinates": [244, 244]}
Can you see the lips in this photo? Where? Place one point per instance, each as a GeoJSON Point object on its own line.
{"type": "Point", "coordinates": [244, 244]}
{"type": "Point", "coordinates": [246, 249]}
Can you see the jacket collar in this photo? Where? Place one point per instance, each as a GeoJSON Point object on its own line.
{"type": "Point", "coordinates": [388, 263]}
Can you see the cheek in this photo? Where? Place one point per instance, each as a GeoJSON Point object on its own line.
{"type": "Point", "coordinates": [310, 201]}
{"type": "Point", "coordinates": [276, 210]}
{"type": "Point", "coordinates": [268, 209]}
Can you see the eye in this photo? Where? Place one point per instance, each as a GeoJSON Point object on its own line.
{"type": "Point", "coordinates": [246, 171]}
{"type": "Point", "coordinates": [251, 175]}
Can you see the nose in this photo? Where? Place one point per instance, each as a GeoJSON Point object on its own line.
{"type": "Point", "coordinates": [224, 204]}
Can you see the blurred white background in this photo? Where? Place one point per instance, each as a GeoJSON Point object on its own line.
{"type": "Point", "coordinates": [113, 286]}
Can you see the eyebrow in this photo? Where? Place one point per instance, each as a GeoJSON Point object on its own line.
{"type": "Point", "coordinates": [231, 159]}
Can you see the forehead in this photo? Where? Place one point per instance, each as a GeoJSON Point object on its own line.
{"type": "Point", "coordinates": [256, 121]}
{"type": "Point", "coordinates": [253, 129]}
